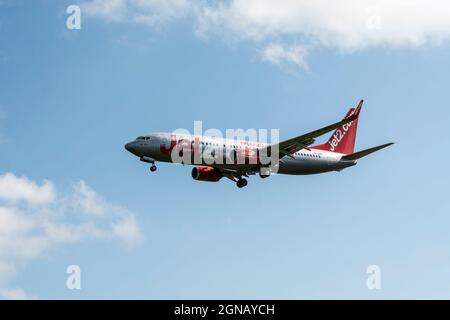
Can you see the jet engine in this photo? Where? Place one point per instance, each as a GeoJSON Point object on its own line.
{"type": "Point", "coordinates": [204, 173]}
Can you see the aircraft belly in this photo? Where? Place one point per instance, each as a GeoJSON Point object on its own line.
{"type": "Point", "coordinates": [304, 167]}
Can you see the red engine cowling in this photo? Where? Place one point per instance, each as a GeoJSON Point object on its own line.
{"type": "Point", "coordinates": [203, 173]}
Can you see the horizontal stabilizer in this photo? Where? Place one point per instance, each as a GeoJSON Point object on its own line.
{"type": "Point", "coordinates": [360, 154]}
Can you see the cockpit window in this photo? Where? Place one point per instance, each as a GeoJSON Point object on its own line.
{"type": "Point", "coordinates": [143, 138]}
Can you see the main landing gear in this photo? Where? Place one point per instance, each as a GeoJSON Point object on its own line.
{"type": "Point", "coordinates": [241, 183]}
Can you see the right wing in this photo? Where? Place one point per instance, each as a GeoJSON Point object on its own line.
{"type": "Point", "coordinates": [288, 147]}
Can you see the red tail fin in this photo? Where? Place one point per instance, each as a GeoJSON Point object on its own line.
{"type": "Point", "coordinates": [343, 139]}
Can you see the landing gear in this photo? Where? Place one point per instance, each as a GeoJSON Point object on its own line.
{"type": "Point", "coordinates": [264, 172]}
{"type": "Point", "coordinates": [241, 183]}
{"type": "Point", "coordinates": [151, 161]}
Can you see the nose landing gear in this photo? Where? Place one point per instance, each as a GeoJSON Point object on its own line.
{"type": "Point", "coordinates": [151, 161]}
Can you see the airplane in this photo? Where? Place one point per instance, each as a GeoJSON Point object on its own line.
{"type": "Point", "coordinates": [295, 156]}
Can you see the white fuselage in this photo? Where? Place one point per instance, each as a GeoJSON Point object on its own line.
{"type": "Point", "coordinates": [158, 147]}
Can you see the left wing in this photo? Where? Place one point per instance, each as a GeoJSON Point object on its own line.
{"type": "Point", "coordinates": [234, 175]}
{"type": "Point", "coordinates": [288, 147]}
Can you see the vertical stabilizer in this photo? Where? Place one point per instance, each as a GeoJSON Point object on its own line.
{"type": "Point", "coordinates": [344, 138]}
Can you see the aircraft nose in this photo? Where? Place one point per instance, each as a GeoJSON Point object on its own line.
{"type": "Point", "coordinates": [136, 148]}
{"type": "Point", "coordinates": [131, 147]}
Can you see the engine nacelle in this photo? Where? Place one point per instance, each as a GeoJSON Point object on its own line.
{"type": "Point", "coordinates": [203, 173]}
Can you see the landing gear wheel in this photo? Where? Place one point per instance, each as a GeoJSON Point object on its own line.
{"type": "Point", "coordinates": [241, 183]}
{"type": "Point", "coordinates": [153, 168]}
{"type": "Point", "coordinates": [264, 172]}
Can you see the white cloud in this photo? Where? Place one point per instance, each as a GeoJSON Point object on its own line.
{"type": "Point", "coordinates": [34, 219]}
{"type": "Point", "coordinates": [279, 54]}
{"type": "Point", "coordinates": [127, 229]}
{"type": "Point", "coordinates": [111, 10]}
{"type": "Point", "coordinates": [345, 25]}
{"type": "Point", "coordinates": [86, 200]}
{"type": "Point", "coordinates": [150, 12]}
{"type": "Point", "coordinates": [15, 294]}
{"type": "Point", "coordinates": [13, 189]}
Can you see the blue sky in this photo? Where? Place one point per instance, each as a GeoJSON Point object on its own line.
{"type": "Point", "coordinates": [70, 100]}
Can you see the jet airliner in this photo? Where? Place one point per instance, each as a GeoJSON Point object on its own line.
{"type": "Point", "coordinates": [295, 156]}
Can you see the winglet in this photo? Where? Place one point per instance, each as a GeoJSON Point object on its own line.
{"type": "Point", "coordinates": [354, 114]}
{"type": "Point", "coordinates": [358, 108]}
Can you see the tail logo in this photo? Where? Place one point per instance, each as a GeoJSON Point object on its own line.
{"type": "Point", "coordinates": [339, 135]}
